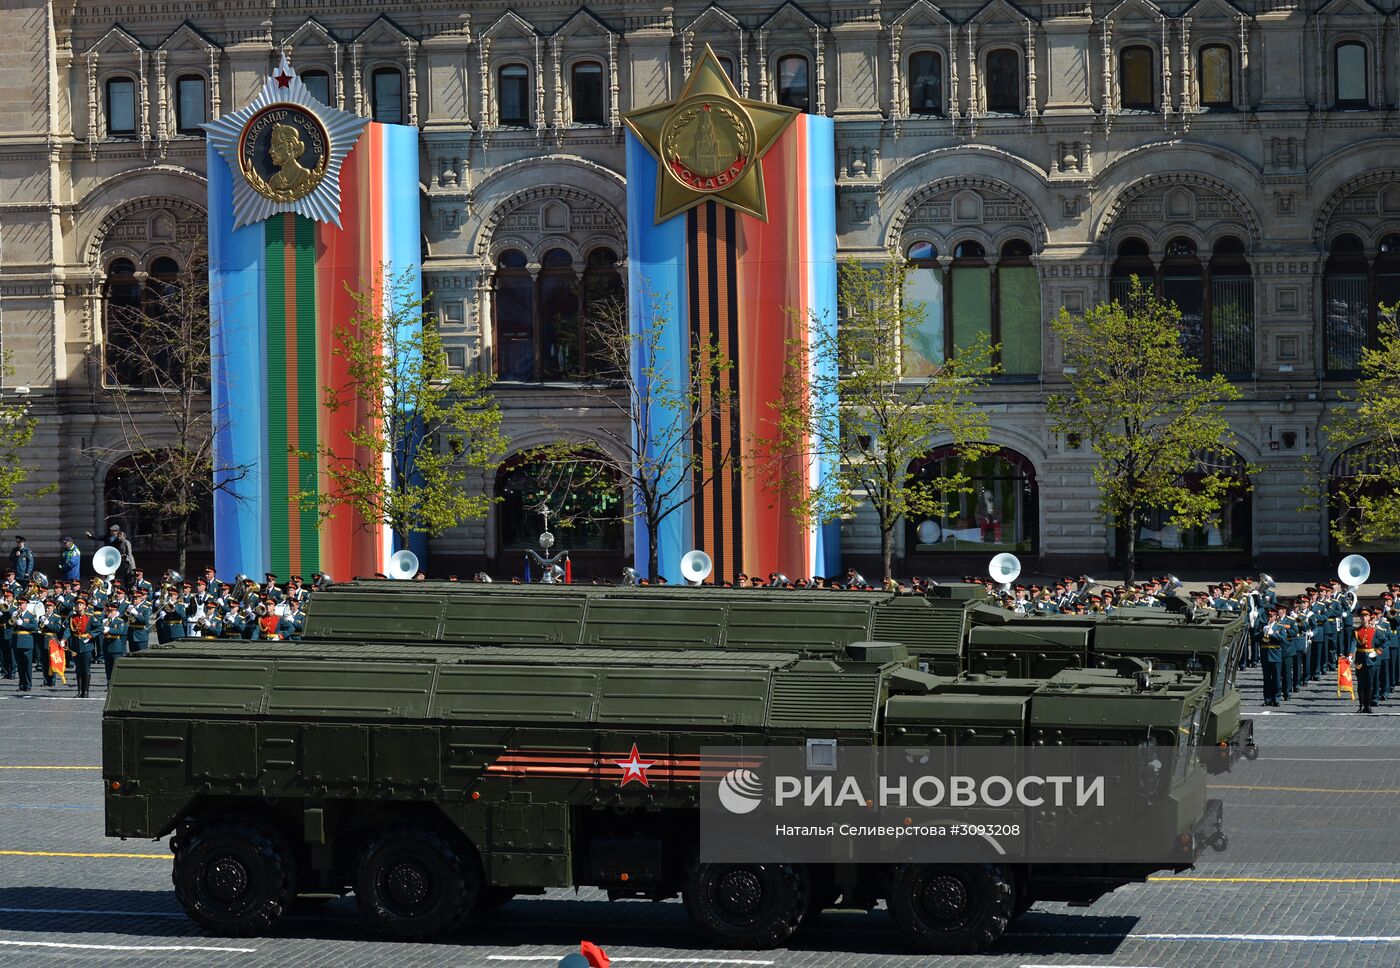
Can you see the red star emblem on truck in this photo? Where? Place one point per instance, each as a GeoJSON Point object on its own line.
{"type": "Point", "coordinates": [635, 768]}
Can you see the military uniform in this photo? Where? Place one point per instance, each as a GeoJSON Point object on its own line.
{"type": "Point", "coordinates": [114, 631]}
{"type": "Point", "coordinates": [1365, 662]}
{"type": "Point", "coordinates": [1271, 654]}
{"type": "Point", "coordinates": [83, 643]}
{"type": "Point", "coordinates": [7, 635]}
{"type": "Point", "coordinates": [138, 621]}
{"type": "Point", "coordinates": [26, 628]}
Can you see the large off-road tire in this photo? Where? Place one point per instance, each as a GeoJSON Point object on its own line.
{"type": "Point", "coordinates": [952, 909]}
{"type": "Point", "coordinates": [747, 905]}
{"type": "Point", "coordinates": [412, 884]}
{"type": "Point", "coordinates": [235, 879]}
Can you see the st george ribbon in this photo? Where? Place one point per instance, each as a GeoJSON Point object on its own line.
{"type": "Point", "coordinates": [304, 200]}
{"type": "Point", "coordinates": [731, 243]}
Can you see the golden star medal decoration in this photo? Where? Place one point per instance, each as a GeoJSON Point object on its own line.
{"type": "Point", "coordinates": [709, 143]}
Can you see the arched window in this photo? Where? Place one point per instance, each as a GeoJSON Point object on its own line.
{"type": "Point", "coordinates": [121, 107]}
{"type": "Point", "coordinates": [998, 513]}
{"type": "Point", "coordinates": [122, 323]}
{"type": "Point", "coordinates": [1182, 283]}
{"type": "Point", "coordinates": [794, 82]}
{"type": "Point", "coordinates": [319, 84]}
{"type": "Point", "coordinates": [1016, 324]}
{"type": "Point", "coordinates": [132, 497]}
{"type": "Point", "coordinates": [1357, 474]}
{"type": "Point", "coordinates": [190, 104]}
{"type": "Point", "coordinates": [1137, 87]}
{"type": "Point", "coordinates": [603, 298]}
{"type": "Point", "coordinates": [540, 319]}
{"type": "Point", "coordinates": [585, 504]}
{"type": "Point", "coordinates": [1216, 298]}
{"type": "Point", "coordinates": [1215, 90]}
{"type": "Point", "coordinates": [1352, 86]}
{"type": "Point", "coordinates": [1002, 81]}
{"type": "Point", "coordinates": [1350, 306]}
{"type": "Point", "coordinates": [1231, 311]}
{"type": "Point", "coordinates": [1133, 260]}
{"type": "Point", "coordinates": [513, 96]}
{"type": "Point", "coordinates": [558, 338]}
{"type": "Point", "coordinates": [515, 318]}
{"type": "Point", "coordinates": [924, 349]}
{"type": "Point", "coordinates": [727, 64]}
{"type": "Point", "coordinates": [587, 93]}
{"type": "Point", "coordinates": [926, 83]}
{"type": "Point", "coordinates": [386, 102]}
{"type": "Point", "coordinates": [1226, 530]}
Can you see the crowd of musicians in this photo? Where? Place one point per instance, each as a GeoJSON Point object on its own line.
{"type": "Point", "coordinates": [51, 629]}
{"type": "Point", "coordinates": [1309, 639]}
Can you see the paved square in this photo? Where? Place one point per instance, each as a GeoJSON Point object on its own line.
{"type": "Point", "coordinates": [69, 896]}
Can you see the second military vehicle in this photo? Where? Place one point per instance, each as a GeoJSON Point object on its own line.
{"type": "Point", "coordinates": [434, 780]}
{"type": "Point", "coordinates": [952, 629]}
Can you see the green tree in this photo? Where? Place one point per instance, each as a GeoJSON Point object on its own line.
{"type": "Point", "coordinates": [649, 455]}
{"type": "Point", "coordinates": [438, 427]}
{"type": "Point", "coordinates": [17, 426]}
{"type": "Point", "coordinates": [1368, 503]}
{"type": "Point", "coordinates": [885, 419]}
{"type": "Point", "coordinates": [1139, 401]}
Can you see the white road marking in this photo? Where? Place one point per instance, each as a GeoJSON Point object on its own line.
{"type": "Point", "coordinates": [1256, 938]}
{"type": "Point", "coordinates": [642, 960]}
{"type": "Point", "coordinates": [1088, 966]}
{"type": "Point", "coordinates": [126, 947]}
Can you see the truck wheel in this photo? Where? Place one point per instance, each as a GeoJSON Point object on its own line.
{"type": "Point", "coordinates": [747, 905]}
{"type": "Point", "coordinates": [952, 909]}
{"type": "Point", "coordinates": [234, 879]}
{"type": "Point", "coordinates": [412, 884]}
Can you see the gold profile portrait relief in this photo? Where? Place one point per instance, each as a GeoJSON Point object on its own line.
{"type": "Point", "coordinates": [283, 152]}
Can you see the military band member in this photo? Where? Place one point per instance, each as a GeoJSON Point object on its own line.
{"type": "Point", "coordinates": [1365, 659]}
{"type": "Point", "coordinates": [1275, 635]}
{"type": "Point", "coordinates": [114, 632]}
{"type": "Point", "coordinates": [82, 643]}
{"type": "Point", "coordinates": [138, 619]}
{"type": "Point", "coordinates": [207, 623]}
{"type": "Point", "coordinates": [7, 634]}
{"type": "Point", "coordinates": [51, 627]}
{"type": "Point", "coordinates": [26, 627]}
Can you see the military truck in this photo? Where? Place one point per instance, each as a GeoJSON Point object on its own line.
{"type": "Point", "coordinates": [433, 781]}
{"type": "Point", "coordinates": [950, 630]}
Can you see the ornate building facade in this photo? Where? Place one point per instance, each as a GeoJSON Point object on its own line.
{"type": "Point", "coordinates": [1243, 158]}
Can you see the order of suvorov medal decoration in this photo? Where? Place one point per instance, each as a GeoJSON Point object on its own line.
{"type": "Point", "coordinates": [283, 151]}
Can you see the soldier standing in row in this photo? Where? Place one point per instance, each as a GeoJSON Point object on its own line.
{"type": "Point", "coordinates": [113, 638]}
{"type": "Point", "coordinates": [1365, 659]}
{"type": "Point", "coordinates": [138, 621]}
{"type": "Point", "coordinates": [1275, 635]}
{"type": "Point", "coordinates": [26, 627]}
{"type": "Point", "coordinates": [7, 634]}
{"type": "Point", "coordinates": [81, 643]}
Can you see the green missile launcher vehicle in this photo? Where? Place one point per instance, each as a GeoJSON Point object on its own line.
{"type": "Point", "coordinates": [437, 781]}
{"type": "Point", "coordinates": [950, 630]}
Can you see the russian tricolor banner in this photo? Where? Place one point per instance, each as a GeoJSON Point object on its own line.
{"type": "Point", "coordinates": [716, 276]}
{"type": "Point", "coordinates": [279, 288]}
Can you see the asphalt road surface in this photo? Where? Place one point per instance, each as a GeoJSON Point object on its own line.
{"type": "Point", "coordinates": [69, 896]}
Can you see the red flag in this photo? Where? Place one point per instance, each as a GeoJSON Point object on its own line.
{"type": "Point", "coordinates": [1345, 682]}
{"type": "Point", "coordinates": [57, 660]}
{"type": "Point", "coordinates": [597, 957]}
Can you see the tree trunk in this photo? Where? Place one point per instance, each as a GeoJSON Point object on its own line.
{"type": "Point", "coordinates": [887, 550]}
{"type": "Point", "coordinates": [182, 540]}
{"type": "Point", "coordinates": [1130, 550]}
{"type": "Point", "coordinates": [653, 562]}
